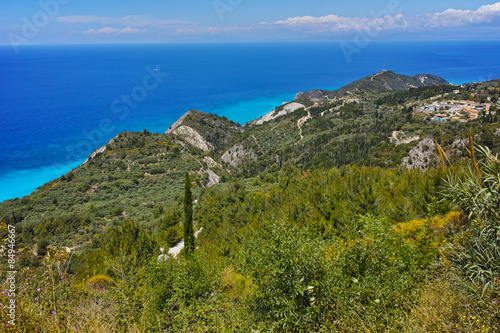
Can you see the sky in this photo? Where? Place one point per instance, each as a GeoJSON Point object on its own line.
{"type": "Point", "coordinates": [163, 21]}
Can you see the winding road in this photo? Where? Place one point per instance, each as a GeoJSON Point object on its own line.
{"type": "Point", "coordinates": [301, 121]}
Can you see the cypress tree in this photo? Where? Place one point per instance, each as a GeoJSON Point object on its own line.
{"type": "Point", "coordinates": [188, 217]}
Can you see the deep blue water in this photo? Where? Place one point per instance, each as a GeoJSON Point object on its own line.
{"type": "Point", "coordinates": [57, 103]}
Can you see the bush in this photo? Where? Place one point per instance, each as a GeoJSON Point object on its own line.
{"type": "Point", "coordinates": [288, 273]}
{"type": "Point", "coordinates": [177, 287]}
{"type": "Point", "coordinates": [476, 254]}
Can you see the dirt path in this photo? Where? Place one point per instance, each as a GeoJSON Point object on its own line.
{"type": "Point", "coordinates": [301, 121]}
{"type": "Point", "coordinates": [174, 251]}
{"type": "Point", "coordinates": [375, 76]}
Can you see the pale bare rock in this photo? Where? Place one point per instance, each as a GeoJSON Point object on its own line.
{"type": "Point", "coordinates": [457, 147]}
{"type": "Point", "coordinates": [399, 135]}
{"type": "Point", "coordinates": [213, 179]}
{"type": "Point", "coordinates": [288, 108]}
{"type": "Point", "coordinates": [177, 123]}
{"type": "Point", "coordinates": [69, 249]}
{"type": "Point", "coordinates": [421, 155]}
{"type": "Point", "coordinates": [394, 136]}
{"type": "Point", "coordinates": [237, 154]}
{"type": "Point", "coordinates": [211, 163]}
{"type": "Point", "coordinates": [460, 143]}
{"type": "Point", "coordinates": [408, 140]}
{"type": "Point", "coordinates": [99, 150]}
{"type": "Point", "coordinates": [192, 137]}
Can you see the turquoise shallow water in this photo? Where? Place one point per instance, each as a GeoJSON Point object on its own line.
{"type": "Point", "coordinates": [240, 111]}
{"type": "Point", "coordinates": [19, 183]}
{"type": "Point", "coordinates": [60, 103]}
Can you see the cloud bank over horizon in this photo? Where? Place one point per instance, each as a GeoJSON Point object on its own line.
{"type": "Point", "coordinates": [393, 20]}
{"type": "Point", "coordinates": [389, 22]}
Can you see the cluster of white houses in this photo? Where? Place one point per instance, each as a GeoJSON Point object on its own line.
{"type": "Point", "coordinates": [454, 110]}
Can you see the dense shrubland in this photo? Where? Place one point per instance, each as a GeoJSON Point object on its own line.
{"type": "Point", "coordinates": [350, 249]}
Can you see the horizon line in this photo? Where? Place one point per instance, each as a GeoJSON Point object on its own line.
{"type": "Point", "coordinates": [258, 42]}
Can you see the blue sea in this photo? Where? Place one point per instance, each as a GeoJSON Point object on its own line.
{"type": "Point", "coordinates": [60, 103]}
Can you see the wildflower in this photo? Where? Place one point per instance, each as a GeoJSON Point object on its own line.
{"type": "Point", "coordinates": [38, 290]}
{"type": "Point", "coordinates": [377, 301]}
{"type": "Point", "coordinates": [53, 312]}
{"type": "Point", "coordinates": [213, 293]}
{"type": "Point", "coordinates": [36, 299]}
{"type": "Point", "coordinates": [355, 280]}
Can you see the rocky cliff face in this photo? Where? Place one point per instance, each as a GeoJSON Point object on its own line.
{"type": "Point", "coordinates": [421, 156]}
{"type": "Point", "coordinates": [238, 154]}
{"type": "Point", "coordinates": [192, 137]}
{"type": "Point", "coordinates": [288, 108]}
{"type": "Point", "coordinates": [100, 150]}
{"type": "Point", "coordinates": [213, 179]}
{"type": "Point", "coordinates": [178, 123]}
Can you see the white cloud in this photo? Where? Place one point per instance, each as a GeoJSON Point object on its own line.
{"type": "Point", "coordinates": [147, 20]}
{"type": "Point", "coordinates": [447, 18]}
{"type": "Point", "coordinates": [457, 18]}
{"type": "Point", "coordinates": [83, 19]}
{"type": "Point", "coordinates": [213, 30]}
{"type": "Point", "coordinates": [387, 20]}
{"type": "Point", "coordinates": [129, 20]}
{"type": "Point", "coordinates": [114, 31]}
{"type": "Point", "coordinates": [336, 23]}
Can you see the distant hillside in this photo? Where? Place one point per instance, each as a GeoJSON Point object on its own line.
{"type": "Point", "coordinates": [384, 80]}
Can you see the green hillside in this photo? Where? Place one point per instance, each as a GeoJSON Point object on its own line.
{"type": "Point", "coordinates": [384, 80]}
{"type": "Point", "coordinates": [352, 213]}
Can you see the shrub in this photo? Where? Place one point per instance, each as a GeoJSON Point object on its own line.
{"type": "Point", "coordinates": [288, 274]}
{"type": "Point", "coordinates": [475, 256]}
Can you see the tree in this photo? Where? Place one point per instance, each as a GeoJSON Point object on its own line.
{"type": "Point", "coordinates": [126, 250]}
{"type": "Point", "coordinates": [188, 216]}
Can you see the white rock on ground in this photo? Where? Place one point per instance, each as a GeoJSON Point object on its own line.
{"type": "Point", "coordinates": [420, 155]}
{"type": "Point", "coordinates": [192, 137]}
{"type": "Point", "coordinates": [100, 150]}
{"type": "Point", "coordinates": [177, 123]}
{"type": "Point", "coordinates": [213, 179]}
{"type": "Point", "coordinates": [289, 108]}
{"type": "Point", "coordinates": [237, 154]}
{"type": "Point", "coordinates": [211, 163]}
